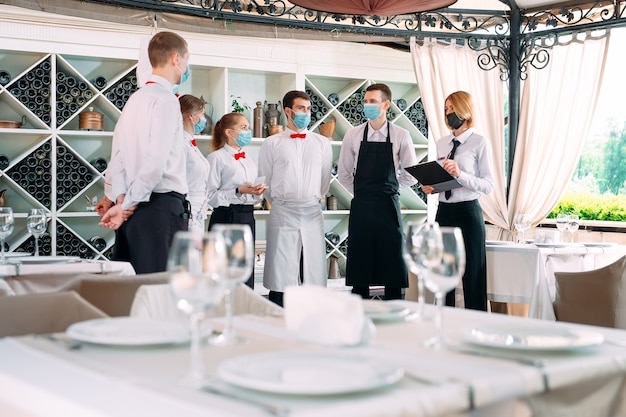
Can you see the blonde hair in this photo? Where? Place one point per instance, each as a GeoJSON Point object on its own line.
{"type": "Point", "coordinates": [462, 103]}
{"type": "Point", "coordinates": [228, 121]}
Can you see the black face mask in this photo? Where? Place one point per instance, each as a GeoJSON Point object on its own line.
{"type": "Point", "coordinates": [454, 121]}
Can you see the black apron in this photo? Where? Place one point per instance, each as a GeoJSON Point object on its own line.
{"type": "Point", "coordinates": [375, 226]}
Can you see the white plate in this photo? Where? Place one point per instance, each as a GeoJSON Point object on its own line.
{"type": "Point", "coordinates": [598, 244]}
{"type": "Point", "coordinates": [44, 259]}
{"type": "Point", "coordinates": [553, 245]}
{"type": "Point", "coordinates": [130, 331]}
{"type": "Point", "coordinates": [309, 372]}
{"type": "Point", "coordinates": [531, 338]}
{"type": "Point", "coordinates": [384, 310]}
{"type": "Point", "coordinates": [497, 242]}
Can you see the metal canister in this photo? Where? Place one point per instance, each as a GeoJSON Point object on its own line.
{"type": "Point", "coordinates": [90, 120]}
{"type": "Point", "coordinates": [259, 120]}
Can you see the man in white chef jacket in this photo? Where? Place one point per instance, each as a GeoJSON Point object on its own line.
{"type": "Point", "coordinates": [297, 165]}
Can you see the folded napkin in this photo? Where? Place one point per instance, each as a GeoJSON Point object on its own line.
{"type": "Point", "coordinates": [317, 314]}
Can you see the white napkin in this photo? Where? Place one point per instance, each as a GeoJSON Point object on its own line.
{"type": "Point", "coordinates": [317, 314]}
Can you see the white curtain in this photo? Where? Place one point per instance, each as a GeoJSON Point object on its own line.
{"type": "Point", "coordinates": [556, 109]}
{"type": "Point", "coordinates": [443, 69]}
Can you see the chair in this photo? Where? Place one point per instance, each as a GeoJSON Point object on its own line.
{"type": "Point", "coordinates": [596, 297]}
{"type": "Point", "coordinates": [43, 313]}
{"type": "Point", "coordinates": [156, 301]}
{"type": "Point", "coordinates": [114, 294]}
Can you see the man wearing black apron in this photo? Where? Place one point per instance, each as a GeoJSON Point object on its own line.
{"type": "Point", "coordinates": [368, 166]}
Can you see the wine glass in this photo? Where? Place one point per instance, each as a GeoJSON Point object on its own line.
{"type": "Point", "coordinates": [197, 263]}
{"type": "Point", "coordinates": [522, 224]}
{"type": "Point", "coordinates": [444, 277]}
{"type": "Point", "coordinates": [561, 222]}
{"type": "Point", "coordinates": [423, 249]}
{"type": "Point", "coordinates": [239, 265]}
{"type": "Point", "coordinates": [36, 223]}
{"type": "Point", "coordinates": [7, 221]}
{"type": "Point", "coordinates": [573, 224]}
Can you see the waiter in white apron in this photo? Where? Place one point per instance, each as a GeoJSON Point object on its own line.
{"type": "Point", "coordinates": [297, 165]}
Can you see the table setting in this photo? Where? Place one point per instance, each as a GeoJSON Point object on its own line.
{"type": "Point", "coordinates": [329, 353]}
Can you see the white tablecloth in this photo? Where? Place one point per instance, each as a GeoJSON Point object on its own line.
{"type": "Point", "coordinates": [72, 266]}
{"type": "Point", "coordinates": [40, 377]}
{"type": "Point", "coordinates": [524, 273]}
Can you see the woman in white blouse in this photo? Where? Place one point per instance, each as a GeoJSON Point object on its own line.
{"type": "Point", "coordinates": [233, 190]}
{"type": "Point", "coordinates": [194, 122]}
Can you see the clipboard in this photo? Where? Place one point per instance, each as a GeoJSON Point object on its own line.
{"type": "Point", "coordinates": [432, 173]}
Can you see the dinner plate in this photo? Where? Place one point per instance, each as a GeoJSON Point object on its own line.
{"type": "Point", "coordinates": [553, 245]}
{"type": "Point", "coordinates": [130, 331]}
{"type": "Point", "coordinates": [497, 242]}
{"type": "Point", "coordinates": [44, 259]}
{"type": "Point", "coordinates": [531, 338]}
{"type": "Point", "coordinates": [384, 310]}
{"type": "Point", "coordinates": [307, 372]}
{"type": "Point", "coordinates": [598, 244]}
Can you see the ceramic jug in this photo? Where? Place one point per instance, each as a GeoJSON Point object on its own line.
{"type": "Point", "coordinates": [272, 113]}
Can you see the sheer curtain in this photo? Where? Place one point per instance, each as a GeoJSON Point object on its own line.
{"type": "Point", "coordinates": [556, 109]}
{"type": "Point", "coordinates": [442, 69]}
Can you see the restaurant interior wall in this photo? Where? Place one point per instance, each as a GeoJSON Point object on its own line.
{"type": "Point", "coordinates": [222, 68]}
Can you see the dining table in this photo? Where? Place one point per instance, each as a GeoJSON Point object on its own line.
{"type": "Point", "coordinates": [35, 274]}
{"type": "Point", "coordinates": [524, 272]}
{"type": "Point", "coordinates": [491, 365]}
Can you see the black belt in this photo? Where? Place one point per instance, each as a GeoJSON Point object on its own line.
{"type": "Point", "coordinates": [237, 208]}
{"type": "Point", "coordinates": [170, 194]}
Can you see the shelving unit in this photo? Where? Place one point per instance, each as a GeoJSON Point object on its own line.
{"type": "Point", "coordinates": [51, 141]}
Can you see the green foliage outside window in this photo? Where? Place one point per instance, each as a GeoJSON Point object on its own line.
{"type": "Point", "coordinates": [590, 206]}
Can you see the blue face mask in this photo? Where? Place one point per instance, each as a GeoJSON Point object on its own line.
{"type": "Point", "coordinates": [371, 111]}
{"type": "Point", "coordinates": [199, 127]}
{"type": "Point", "coordinates": [302, 120]}
{"type": "Point", "coordinates": [244, 138]}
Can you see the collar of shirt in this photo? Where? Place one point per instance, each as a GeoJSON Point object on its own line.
{"type": "Point", "coordinates": [462, 137]}
{"type": "Point", "coordinates": [232, 150]}
{"type": "Point", "coordinates": [157, 79]}
{"type": "Point", "coordinates": [378, 135]}
{"type": "Point", "coordinates": [289, 132]}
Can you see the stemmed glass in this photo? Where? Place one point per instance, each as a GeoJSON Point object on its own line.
{"type": "Point", "coordinates": [7, 222]}
{"type": "Point", "coordinates": [522, 224]}
{"type": "Point", "coordinates": [197, 263]}
{"type": "Point", "coordinates": [423, 250]}
{"type": "Point", "coordinates": [240, 262]}
{"type": "Point", "coordinates": [36, 223]}
{"type": "Point", "coordinates": [445, 276]}
{"type": "Point", "coordinates": [572, 225]}
{"type": "Point", "coordinates": [562, 220]}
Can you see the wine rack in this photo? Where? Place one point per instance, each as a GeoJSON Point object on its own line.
{"type": "Point", "coordinates": [45, 245]}
{"type": "Point", "coordinates": [51, 162]}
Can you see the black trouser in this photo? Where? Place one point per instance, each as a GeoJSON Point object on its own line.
{"type": "Point", "coordinates": [144, 239]}
{"type": "Point", "coordinates": [468, 216]}
{"type": "Point", "coordinates": [236, 214]}
{"type": "Point", "coordinates": [391, 293]}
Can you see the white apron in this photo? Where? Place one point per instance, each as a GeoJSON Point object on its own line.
{"type": "Point", "coordinates": [292, 228]}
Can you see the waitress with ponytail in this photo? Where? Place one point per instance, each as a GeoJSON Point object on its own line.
{"type": "Point", "coordinates": [232, 192]}
{"type": "Point", "coordinates": [194, 122]}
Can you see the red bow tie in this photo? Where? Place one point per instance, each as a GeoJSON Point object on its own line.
{"type": "Point", "coordinates": [240, 155]}
{"type": "Point", "coordinates": [298, 135]}
{"type": "Point", "coordinates": [193, 142]}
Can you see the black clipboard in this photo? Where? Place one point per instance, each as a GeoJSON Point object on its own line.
{"type": "Point", "coordinates": [433, 174]}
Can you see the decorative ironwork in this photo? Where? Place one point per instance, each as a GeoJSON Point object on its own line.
{"type": "Point", "coordinates": [488, 31]}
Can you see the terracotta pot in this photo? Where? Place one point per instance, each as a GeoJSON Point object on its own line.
{"type": "Point", "coordinates": [11, 124]}
{"type": "Point", "coordinates": [274, 129]}
{"type": "Point", "coordinates": [327, 129]}
{"type": "Point", "coordinates": [90, 120]}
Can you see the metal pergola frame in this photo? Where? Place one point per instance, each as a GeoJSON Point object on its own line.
{"type": "Point", "coordinates": [508, 40]}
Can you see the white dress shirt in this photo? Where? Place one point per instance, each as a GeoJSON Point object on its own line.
{"type": "Point", "coordinates": [296, 170]}
{"type": "Point", "coordinates": [402, 148]}
{"type": "Point", "coordinates": [148, 149]}
{"type": "Point", "coordinates": [474, 158]}
{"type": "Point", "coordinates": [198, 180]}
{"type": "Point", "coordinates": [227, 174]}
